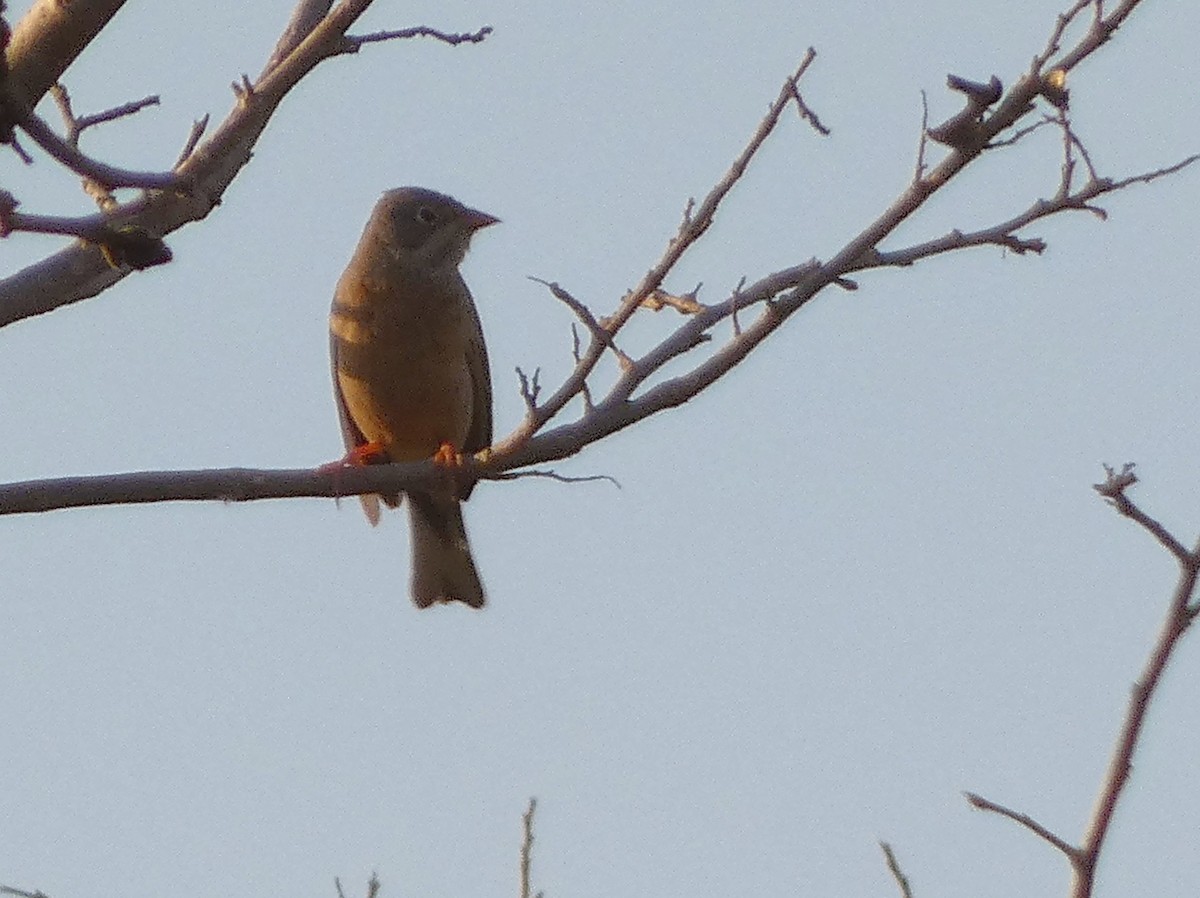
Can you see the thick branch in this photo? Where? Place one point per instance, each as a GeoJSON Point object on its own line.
{"type": "Point", "coordinates": [47, 40]}
{"type": "Point", "coordinates": [224, 484]}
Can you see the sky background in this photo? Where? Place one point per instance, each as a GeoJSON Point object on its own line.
{"type": "Point", "coordinates": [863, 573]}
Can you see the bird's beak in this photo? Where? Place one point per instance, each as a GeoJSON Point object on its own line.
{"type": "Point", "coordinates": [475, 219]}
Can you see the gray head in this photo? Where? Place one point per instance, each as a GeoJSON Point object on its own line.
{"type": "Point", "coordinates": [425, 227]}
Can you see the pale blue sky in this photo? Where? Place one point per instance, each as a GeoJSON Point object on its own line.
{"type": "Point", "coordinates": [862, 574]}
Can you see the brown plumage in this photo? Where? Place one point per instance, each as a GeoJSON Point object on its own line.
{"type": "Point", "coordinates": [410, 369]}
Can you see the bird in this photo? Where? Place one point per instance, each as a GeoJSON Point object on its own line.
{"type": "Point", "coordinates": [410, 372]}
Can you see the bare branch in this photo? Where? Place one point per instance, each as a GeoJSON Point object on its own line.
{"type": "Point", "coordinates": [1113, 489]}
{"type": "Point", "coordinates": [1004, 233]}
{"type": "Point", "coordinates": [225, 484]}
{"type": "Point", "coordinates": [373, 886]}
{"type": "Point", "coordinates": [124, 247]}
{"type": "Point", "coordinates": [527, 849]}
{"type": "Point", "coordinates": [1180, 614]}
{"type": "Point", "coordinates": [1053, 45]}
{"type": "Point", "coordinates": [777, 296]}
{"type": "Point", "coordinates": [922, 144]}
{"type": "Point", "coordinates": [77, 125]}
{"type": "Point", "coordinates": [108, 175]}
{"type": "Point", "coordinates": [355, 42]}
{"type": "Point", "coordinates": [983, 804]}
{"type": "Point", "coordinates": [79, 272]}
{"type": "Point", "coordinates": [696, 221]}
{"type": "Point", "coordinates": [21, 893]}
{"type": "Point", "coordinates": [585, 315]}
{"type": "Point", "coordinates": [585, 391]}
{"type": "Point", "coordinates": [894, 868]}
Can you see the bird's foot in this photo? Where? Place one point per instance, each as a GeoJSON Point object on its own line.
{"type": "Point", "coordinates": [362, 454]}
{"type": "Point", "coordinates": [448, 457]}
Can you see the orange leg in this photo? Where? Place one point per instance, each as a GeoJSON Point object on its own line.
{"type": "Point", "coordinates": [362, 454]}
{"type": "Point", "coordinates": [447, 456]}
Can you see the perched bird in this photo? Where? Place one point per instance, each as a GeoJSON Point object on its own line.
{"type": "Point", "coordinates": [410, 371]}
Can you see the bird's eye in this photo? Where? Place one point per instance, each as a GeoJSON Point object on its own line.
{"type": "Point", "coordinates": [426, 215]}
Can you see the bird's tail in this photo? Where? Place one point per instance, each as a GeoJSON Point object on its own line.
{"type": "Point", "coordinates": [442, 567]}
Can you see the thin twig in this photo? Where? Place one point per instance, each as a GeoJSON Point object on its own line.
{"type": "Point", "coordinates": [108, 175]}
{"type": "Point", "coordinates": [549, 475]}
{"type": "Point", "coordinates": [356, 41]}
{"type": "Point", "coordinates": [527, 847]}
{"type": "Point", "coordinates": [193, 138]}
{"type": "Point", "coordinates": [598, 331]}
{"type": "Point", "coordinates": [1180, 614]}
{"type": "Point", "coordinates": [696, 221]}
{"type": "Point", "coordinates": [585, 392]}
{"type": "Point", "coordinates": [530, 388]}
{"type": "Point", "coordinates": [1113, 489]}
{"type": "Point", "coordinates": [922, 144]}
{"type": "Point", "coordinates": [983, 804]}
{"type": "Point", "coordinates": [21, 893]}
{"type": "Point", "coordinates": [897, 874]}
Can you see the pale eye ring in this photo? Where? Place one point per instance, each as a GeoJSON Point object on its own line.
{"type": "Point", "coordinates": [426, 215]}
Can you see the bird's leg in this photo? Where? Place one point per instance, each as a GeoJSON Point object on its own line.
{"type": "Point", "coordinates": [362, 454]}
{"type": "Point", "coordinates": [447, 456]}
